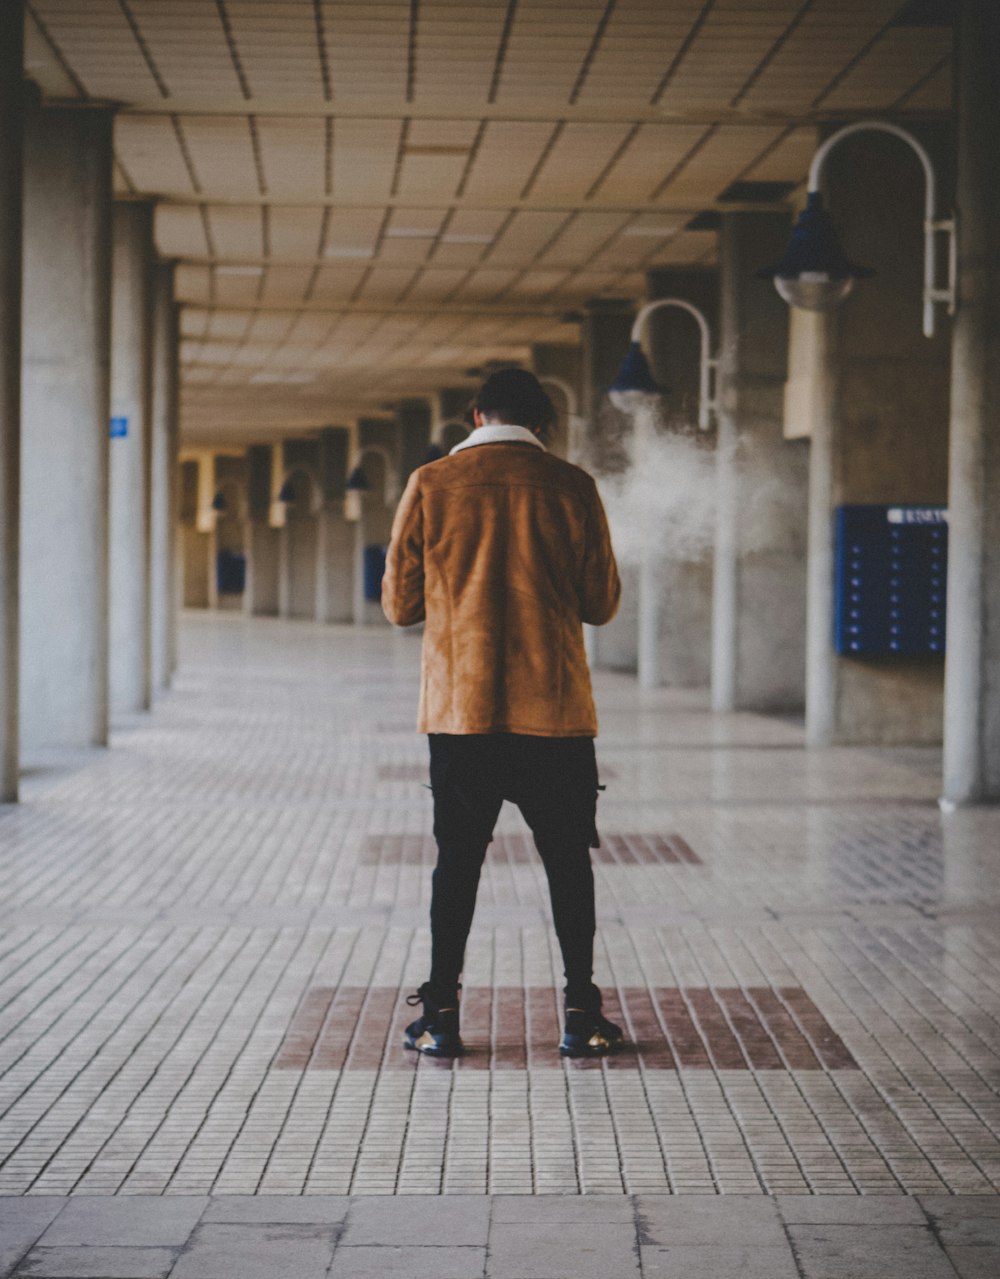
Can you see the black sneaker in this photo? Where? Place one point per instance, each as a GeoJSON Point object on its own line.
{"type": "Point", "coordinates": [436, 1032]}
{"type": "Point", "coordinates": [586, 1033]}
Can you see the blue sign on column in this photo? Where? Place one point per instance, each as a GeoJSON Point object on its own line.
{"type": "Point", "coordinates": [119, 428]}
{"type": "Point", "coordinates": [891, 581]}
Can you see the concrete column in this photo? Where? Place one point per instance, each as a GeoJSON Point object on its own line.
{"type": "Point", "coordinates": [676, 600]}
{"type": "Point", "coordinates": [335, 536]}
{"type": "Point", "coordinates": [759, 577]}
{"type": "Point", "coordinates": [972, 689]}
{"type": "Point", "coordinates": [66, 407]}
{"type": "Point", "coordinates": [130, 506]}
{"type": "Point", "coordinates": [606, 331]}
{"type": "Point", "coordinates": [165, 439]}
{"type": "Point", "coordinates": [876, 401]}
{"type": "Point", "coordinates": [260, 599]}
{"type": "Point", "coordinates": [11, 157]}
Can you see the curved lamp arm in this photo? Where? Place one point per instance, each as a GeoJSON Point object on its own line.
{"type": "Point", "coordinates": [564, 388]}
{"type": "Point", "coordinates": [708, 364]}
{"type": "Point", "coordinates": [932, 223]}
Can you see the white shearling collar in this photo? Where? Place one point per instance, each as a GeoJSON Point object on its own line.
{"type": "Point", "coordinates": [499, 434]}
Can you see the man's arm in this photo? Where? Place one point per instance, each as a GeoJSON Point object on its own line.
{"type": "Point", "coordinates": [403, 584]}
{"type": "Point", "coordinates": [601, 587]}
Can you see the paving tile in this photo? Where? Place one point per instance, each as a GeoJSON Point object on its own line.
{"type": "Point", "coordinates": [139, 1221]}
{"type": "Point", "coordinates": [975, 1262]}
{"type": "Point", "coordinates": [257, 1252]}
{"type": "Point", "coordinates": [22, 1220]}
{"type": "Point", "coordinates": [267, 1209]}
{"type": "Point", "coordinates": [519, 1250]}
{"type": "Point", "coordinates": [869, 1252]}
{"type": "Point", "coordinates": [367, 1262]}
{"type": "Point", "coordinates": [865, 1210]}
{"type": "Point", "coordinates": [553, 1209]}
{"type": "Point", "coordinates": [417, 1220]}
{"type": "Point", "coordinates": [717, 1261]}
{"type": "Point", "coordinates": [750, 1220]}
{"type": "Point", "coordinates": [97, 1263]}
{"type": "Point", "coordinates": [808, 915]}
{"type": "Point", "coordinates": [965, 1220]}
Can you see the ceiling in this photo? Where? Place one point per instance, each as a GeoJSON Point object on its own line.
{"type": "Point", "coordinates": [365, 200]}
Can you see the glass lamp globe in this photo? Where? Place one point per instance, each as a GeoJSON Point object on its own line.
{"type": "Point", "coordinates": [814, 290]}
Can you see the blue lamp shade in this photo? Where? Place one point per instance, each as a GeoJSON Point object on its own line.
{"type": "Point", "coordinates": [814, 273]}
{"type": "Point", "coordinates": [219, 502]}
{"type": "Point", "coordinates": [287, 492]}
{"type": "Point", "coordinates": [433, 454]}
{"type": "Point", "coordinates": [635, 375]}
{"type": "Point", "coordinates": [357, 481]}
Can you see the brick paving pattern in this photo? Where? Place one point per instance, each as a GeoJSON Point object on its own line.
{"type": "Point", "coordinates": [206, 929]}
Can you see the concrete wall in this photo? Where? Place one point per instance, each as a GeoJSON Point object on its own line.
{"type": "Point", "coordinates": [66, 402]}
{"type": "Point", "coordinates": [164, 478]}
{"type": "Point", "coordinates": [260, 599]}
{"type": "Point", "coordinates": [887, 391]}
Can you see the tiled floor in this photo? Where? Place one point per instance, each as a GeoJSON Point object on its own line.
{"type": "Point", "coordinates": [206, 933]}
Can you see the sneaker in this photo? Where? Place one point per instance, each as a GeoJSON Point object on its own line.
{"type": "Point", "coordinates": [586, 1032]}
{"type": "Point", "coordinates": [436, 1032]}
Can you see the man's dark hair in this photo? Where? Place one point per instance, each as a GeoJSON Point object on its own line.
{"type": "Point", "coordinates": [515, 396]}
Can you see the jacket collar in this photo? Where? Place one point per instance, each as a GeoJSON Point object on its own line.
{"type": "Point", "coordinates": [498, 434]}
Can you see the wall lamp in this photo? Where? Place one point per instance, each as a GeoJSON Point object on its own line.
{"type": "Point", "coordinates": [219, 502]}
{"type": "Point", "coordinates": [815, 275]}
{"type": "Point", "coordinates": [635, 381]}
{"type": "Point", "coordinates": [286, 493]}
{"type": "Point", "coordinates": [434, 453]}
{"type": "Point", "coordinates": [358, 481]}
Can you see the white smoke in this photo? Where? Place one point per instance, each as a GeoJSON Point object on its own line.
{"type": "Point", "coordinates": [663, 502]}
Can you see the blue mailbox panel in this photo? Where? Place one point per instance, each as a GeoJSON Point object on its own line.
{"type": "Point", "coordinates": [891, 580]}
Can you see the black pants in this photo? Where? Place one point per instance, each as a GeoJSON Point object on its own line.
{"type": "Point", "coordinates": [553, 781]}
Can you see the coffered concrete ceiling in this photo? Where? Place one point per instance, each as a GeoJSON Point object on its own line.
{"type": "Point", "coordinates": [367, 199]}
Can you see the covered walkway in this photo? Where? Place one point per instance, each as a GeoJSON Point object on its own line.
{"type": "Point", "coordinates": [209, 930]}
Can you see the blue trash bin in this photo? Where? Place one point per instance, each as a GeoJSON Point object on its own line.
{"type": "Point", "coordinates": [231, 572]}
{"type": "Point", "coordinates": [374, 572]}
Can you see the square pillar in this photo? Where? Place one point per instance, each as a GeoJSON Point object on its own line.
{"type": "Point", "coordinates": [11, 159]}
{"type": "Point", "coordinates": [759, 576]}
{"type": "Point", "coordinates": [972, 689]}
{"type": "Point", "coordinates": [130, 506]}
{"type": "Point", "coordinates": [66, 408]}
{"type": "Point", "coordinates": [164, 469]}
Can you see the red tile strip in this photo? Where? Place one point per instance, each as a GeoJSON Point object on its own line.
{"type": "Point", "coordinates": [306, 1024]}
{"type": "Point", "coordinates": [543, 1006]}
{"type": "Point", "coordinates": [339, 1028]}
{"type": "Point", "coordinates": [510, 1028]}
{"type": "Point", "coordinates": [689, 1047]}
{"type": "Point", "coordinates": [757, 1043]}
{"type": "Point", "coordinates": [722, 1044]}
{"type": "Point", "coordinates": [646, 1032]}
{"type": "Point", "coordinates": [793, 1044]}
{"type": "Point", "coordinates": [832, 1050]}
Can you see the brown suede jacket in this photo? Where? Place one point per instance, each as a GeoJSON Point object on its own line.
{"type": "Point", "coordinates": [504, 550]}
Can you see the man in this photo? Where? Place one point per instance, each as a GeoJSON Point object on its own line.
{"type": "Point", "coordinates": [503, 550]}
